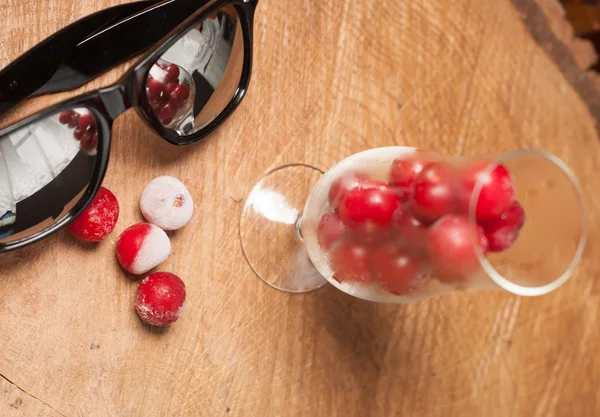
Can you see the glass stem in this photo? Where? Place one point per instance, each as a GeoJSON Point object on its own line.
{"type": "Point", "coordinates": [299, 227]}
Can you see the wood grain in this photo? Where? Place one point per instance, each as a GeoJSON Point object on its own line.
{"type": "Point", "coordinates": [331, 78]}
{"type": "Point", "coordinates": [547, 23]}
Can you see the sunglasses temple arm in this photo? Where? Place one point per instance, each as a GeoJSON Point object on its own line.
{"type": "Point", "coordinates": [33, 69]}
{"type": "Point", "coordinates": [118, 43]}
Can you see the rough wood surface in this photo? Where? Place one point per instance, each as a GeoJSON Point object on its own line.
{"type": "Point", "coordinates": [547, 23]}
{"type": "Point", "coordinates": [331, 78]}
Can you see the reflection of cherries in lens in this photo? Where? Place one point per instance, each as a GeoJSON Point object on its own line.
{"type": "Point", "coordinates": [87, 123]}
{"type": "Point", "coordinates": [78, 133]}
{"type": "Point", "coordinates": [84, 128]}
{"type": "Point", "coordinates": [170, 87]}
{"type": "Point", "coordinates": [65, 117]}
{"type": "Point", "coordinates": [89, 141]}
{"type": "Point", "coordinates": [156, 89]}
{"type": "Point", "coordinates": [167, 113]}
{"type": "Point", "coordinates": [180, 94]}
{"type": "Point", "coordinates": [166, 95]}
{"type": "Point", "coordinates": [74, 120]}
{"type": "Point", "coordinates": [172, 73]}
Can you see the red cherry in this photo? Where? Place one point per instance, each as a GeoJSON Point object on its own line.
{"type": "Point", "coordinates": [87, 122]}
{"type": "Point", "coordinates": [74, 122]}
{"type": "Point", "coordinates": [180, 94]}
{"type": "Point", "coordinates": [412, 232]}
{"type": "Point", "coordinates": [172, 73]}
{"type": "Point", "coordinates": [78, 133]}
{"type": "Point", "coordinates": [167, 113]}
{"type": "Point", "coordinates": [329, 230]}
{"type": "Point", "coordinates": [496, 193]}
{"type": "Point", "coordinates": [98, 220]}
{"type": "Point", "coordinates": [65, 117]}
{"type": "Point", "coordinates": [342, 186]}
{"type": "Point", "coordinates": [350, 262]}
{"type": "Point", "coordinates": [404, 171]}
{"type": "Point", "coordinates": [502, 232]}
{"type": "Point", "coordinates": [450, 247]}
{"type": "Point", "coordinates": [369, 211]}
{"type": "Point", "coordinates": [160, 298]}
{"type": "Point", "coordinates": [170, 87]}
{"type": "Point", "coordinates": [156, 90]}
{"type": "Point", "coordinates": [433, 194]}
{"type": "Point", "coordinates": [397, 272]}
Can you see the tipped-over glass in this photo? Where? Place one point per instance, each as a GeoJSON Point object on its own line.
{"type": "Point", "coordinates": [398, 224]}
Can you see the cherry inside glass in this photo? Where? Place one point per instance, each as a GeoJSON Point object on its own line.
{"type": "Point", "coordinates": [399, 224]}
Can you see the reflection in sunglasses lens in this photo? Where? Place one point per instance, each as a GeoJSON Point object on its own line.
{"type": "Point", "coordinates": [196, 78]}
{"type": "Point", "coordinates": [45, 168]}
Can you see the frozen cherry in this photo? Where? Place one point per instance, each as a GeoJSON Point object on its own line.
{"type": "Point", "coordinates": [74, 121]}
{"type": "Point", "coordinates": [451, 249]}
{"type": "Point", "coordinates": [156, 89]}
{"type": "Point", "coordinates": [65, 117]}
{"type": "Point", "coordinates": [404, 171]}
{"type": "Point", "coordinates": [411, 231]}
{"type": "Point", "coordinates": [502, 232]}
{"type": "Point", "coordinates": [87, 122]}
{"type": "Point", "coordinates": [160, 298]}
{"type": "Point", "coordinates": [397, 272]}
{"type": "Point", "coordinates": [172, 73]}
{"type": "Point", "coordinates": [98, 220]}
{"type": "Point", "coordinates": [342, 186]}
{"type": "Point", "coordinates": [166, 114]}
{"type": "Point", "coordinates": [369, 211]}
{"type": "Point", "coordinates": [433, 194]}
{"type": "Point", "coordinates": [330, 230]}
{"type": "Point", "coordinates": [141, 247]}
{"type": "Point", "coordinates": [167, 203]}
{"type": "Point", "coordinates": [496, 193]}
{"type": "Point", "coordinates": [350, 262]}
{"type": "Point", "coordinates": [180, 94]}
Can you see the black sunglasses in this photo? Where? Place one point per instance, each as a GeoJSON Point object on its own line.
{"type": "Point", "coordinates": [194, 76]}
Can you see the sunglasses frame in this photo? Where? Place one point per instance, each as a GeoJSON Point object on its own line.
{"type": "Point", "coordinates": [107, 103]}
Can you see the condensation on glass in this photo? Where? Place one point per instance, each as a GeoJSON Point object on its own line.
{"type": "Point", "coordinates": [45, 168]}
{"type": "Point", "coordinates": [196, 78]}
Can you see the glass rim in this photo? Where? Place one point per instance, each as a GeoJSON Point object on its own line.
{"type": "Point", "coordinates": [489, 269]}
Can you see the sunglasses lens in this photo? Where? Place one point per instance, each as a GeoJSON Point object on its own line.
{"type": "Point", "coordinates": [196, 78]}
{"type": "Point", "coordinates": [45, 169]}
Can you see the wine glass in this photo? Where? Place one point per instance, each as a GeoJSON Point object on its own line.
{"type": "Point", "coordinates": [399, 224]}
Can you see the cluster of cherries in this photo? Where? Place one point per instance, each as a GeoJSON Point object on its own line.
{"type": "Point", "coordinates": [402, 233]}
{"type": "Point", "coordinates": [84, 128]}
{"type": "Point", "coordinates": [167, 96]}
{"type": "Point", "coordinates": [167, 205]}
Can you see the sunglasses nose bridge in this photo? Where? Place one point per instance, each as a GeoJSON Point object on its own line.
{"type": "Point", "coordinates": [116, 100]}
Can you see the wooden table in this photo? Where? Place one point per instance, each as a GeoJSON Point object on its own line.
{"type": "Point", "coordinates": [331, 78]}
